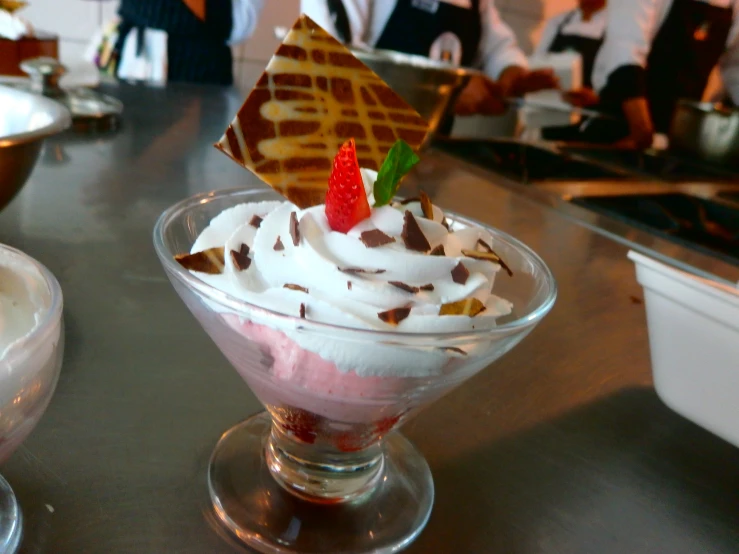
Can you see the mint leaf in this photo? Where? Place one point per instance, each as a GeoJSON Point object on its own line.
{"type": "Point", "coordinates": [399, 161]}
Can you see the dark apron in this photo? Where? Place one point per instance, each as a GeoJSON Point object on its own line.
{"type": "Point", "coordinates": [197, 51]}
{"type": "Point", "coordinates": [587, 48]}
{"type": "Point", "coordinates": [685, 50]}
{"type": "Point", "coordinates": [415, 25]}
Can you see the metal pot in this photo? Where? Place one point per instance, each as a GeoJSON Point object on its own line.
{"type": "Point", "coordinates": [25, 121]}
{"type": "Point", "coordinates": [708, 132]}
{"type": "Point", "coordinates": [431, 87]}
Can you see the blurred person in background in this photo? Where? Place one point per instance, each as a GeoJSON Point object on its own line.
{"type": "Point", "coordinates": [181, 40]}
{"type": "Point", "coordinates": [469, 33]}
{"type": "Point", "coordinates": [659, 51]}
{"type": "Point", "coordinates": [582, 31]}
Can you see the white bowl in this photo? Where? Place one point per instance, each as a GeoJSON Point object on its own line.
{"type": "Point", "coordinates": [694, 342]}
{"type": "Point", "coordinates": [29, 367]}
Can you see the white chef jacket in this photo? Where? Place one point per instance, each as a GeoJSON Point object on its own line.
{"type": "Point", "coordinates": [367, 19]}
{"type": "Point", "coordinates": [595, 28]}
{"type": "Point", "coordinates": [245, 16]}
{"type": "Point", "coordinates": [633, 25]}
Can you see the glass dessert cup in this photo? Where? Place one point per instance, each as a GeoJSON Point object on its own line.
{"type": "Point", "coordinates": [324, 469]}
{"type": "Point", "coordinates": [29, 372]}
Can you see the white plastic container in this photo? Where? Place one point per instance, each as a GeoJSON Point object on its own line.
{"type": "Point", "coordinates": [694, 342]}
{"type": "Point", "coordinates": [567, 66]}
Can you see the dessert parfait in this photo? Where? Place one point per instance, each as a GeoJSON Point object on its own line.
{"type": "Point", "coordinates": [344, 308]}
{"type": "Point", "coordinates": [31, 348]}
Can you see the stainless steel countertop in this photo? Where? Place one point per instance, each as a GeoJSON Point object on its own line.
{"type": "Point", "coordinates": [561, 447]}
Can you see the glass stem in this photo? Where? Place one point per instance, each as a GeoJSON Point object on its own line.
{"type": "Point", "coordinates": [322, 474]}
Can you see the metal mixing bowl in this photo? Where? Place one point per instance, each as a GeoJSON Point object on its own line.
{"type": "Point", "coordinates": [431, 87]}
{"type": "Point", "coordinates": [707, 132]}
{"type": "Point", "coordinates": [25, 121]}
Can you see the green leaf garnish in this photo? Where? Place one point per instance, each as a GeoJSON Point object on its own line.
{"type": "Point", "coordinates": [399, 161]}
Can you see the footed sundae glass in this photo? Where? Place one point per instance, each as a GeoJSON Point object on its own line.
{"type": "Point", "coordinates": [29, 368]}
{"type": "Point", "coordinates": [325, 469]}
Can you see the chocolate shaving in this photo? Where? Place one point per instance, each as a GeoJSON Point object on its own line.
{"type": "Point", "coordinates": [294, 229]}
{"type": "Point", "coordinates": [278, 245]}
{"type": "Point", "coordinates": [208, 261]}
{"type": "Point", "coordinates": [477, 255]}
{"type": "Point", "coordinates": [349, 285]}
{"type": "Point", "coordinates": [499, 260]}
{"type": "Point", "coordinates": [428, 287]}
{"type": "Point", "coordinates": [295, 287]}
{"type": "Point", "coordinates": [375, 238]}
{"type": "Point", "coordinates": [256, 221]}
{"type": "Point", "coordinates": [403, 286]}
{"type": "Point", "coordinates": [355, 270]}
{"type": "Point", "coordinates": [485, 246]}
{"type": "Point", "coordinates": [413, 237]}
{"type": "Point", "coordinates": [394, 316]}
{"type": "Point", "coordinates": [438, 251]}
{"type": "Point", "coordinates": [240, 258]}
{"type": "Point", "coordinates": [460, 274]}
{"type": "Point", "coordinates": [427, 206]}
{"type": "Point", "coordinates": [468, 306]}
{"type": "Point", "coordinates": [302, 311]}
{"type": "Point", "coordinates": [454, 349]}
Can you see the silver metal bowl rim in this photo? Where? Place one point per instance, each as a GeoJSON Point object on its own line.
{"type": "Point", "coordinates": [61, 119]}
{"type": "Point", "coordinates": [708, 107]}
{"type": "Point", "coordinates": [54, 313]}
{"type": "Point", "coordinates": [411, 60]}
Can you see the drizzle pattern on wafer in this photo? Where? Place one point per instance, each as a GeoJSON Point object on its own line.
{"type": "Point", "coordinates": [313, 96]}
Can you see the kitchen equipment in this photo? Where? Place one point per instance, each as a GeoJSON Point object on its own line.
{"type": "Point", "coordinates": [704, 225]}
{"type": "Point", "coordinates": [91, 110]}
{"type": "Point", "coordinates": [694, 342]}
{"type": "Point", "coordinates": [706, 131]}
{"type": "Point", "coordinates": [429, 86]}
{"type": "Point", "coordinates": [523, 162]}
{"type": "Point", "coordinates": [25, 121]}
{"type": "Point", "coordinates": [664, 165]}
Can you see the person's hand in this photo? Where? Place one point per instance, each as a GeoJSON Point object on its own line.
{"type": "Point", "coordinates": [481, 96]}
{"type": "Point", "coordinates": [533, 81]}
{"type": "Point", "coordinates": [641, 128]}
{"type": "Point", "coordinates": [517, 81]}
{"type": "Point", "coordinates": [582, 98]}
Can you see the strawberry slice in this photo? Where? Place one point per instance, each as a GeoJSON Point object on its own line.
{"type": "Point", "coordinates": [346, 201]}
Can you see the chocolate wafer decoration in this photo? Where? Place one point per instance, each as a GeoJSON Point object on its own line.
{"type": "Point", "coordinates": [313, 96]}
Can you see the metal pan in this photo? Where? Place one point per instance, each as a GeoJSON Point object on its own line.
{"type": "Point", "coordinates": [705, 131]}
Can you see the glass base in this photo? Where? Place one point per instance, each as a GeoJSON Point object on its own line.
{"type": "Point", "coordinates": [11, 520]}
{"type": "Point", "coordinates": [271, 520]}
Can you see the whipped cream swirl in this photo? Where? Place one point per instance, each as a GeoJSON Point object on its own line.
{"type": "Point", "coordinates": [323, 283]}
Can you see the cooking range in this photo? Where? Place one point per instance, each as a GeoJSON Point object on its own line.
{"type": "Point", "coordinates": [707, 224]}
